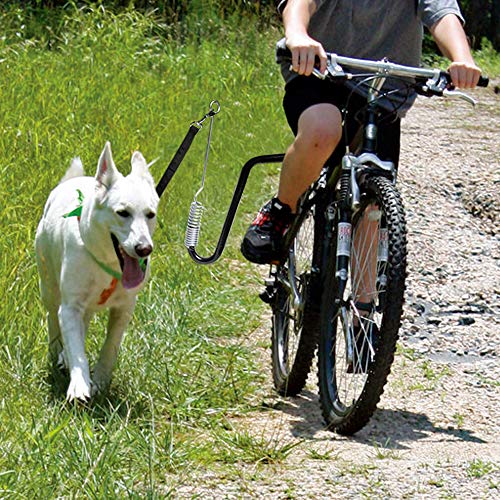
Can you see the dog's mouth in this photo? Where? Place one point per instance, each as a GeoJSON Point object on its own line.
{"type": "Point", "coordinates": [133, 270]}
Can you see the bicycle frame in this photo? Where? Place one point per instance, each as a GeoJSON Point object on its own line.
{"type": "Point", "coordinates": [351, 164]}
{"type": "Point", "coordinates": [347, 175]}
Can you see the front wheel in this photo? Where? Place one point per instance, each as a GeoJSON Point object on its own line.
{"type": "Point", "coordinates": [359, 329]}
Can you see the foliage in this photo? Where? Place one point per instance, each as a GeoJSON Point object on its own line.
{"type": "Point", "coordinates": [71, 79]}
{"type": "Point", "coordinates": [169, 10]}
{"type": "Point", "coordinates": [482, 21]}
{"type": "Point", "coordinates": [482, 16]}
{"type": "Point", "coordinates": [486, 58]}
{"type": "Point", "coordinates": [69, 83]}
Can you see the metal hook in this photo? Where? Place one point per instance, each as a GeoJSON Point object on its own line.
{"type": "Point", "coordinates": [213, 109]}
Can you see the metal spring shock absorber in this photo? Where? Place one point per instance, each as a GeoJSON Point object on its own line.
{"type": "Point", "coordinates": [344, 227]}
{"type": "Point", "coordinates": [194, 223]}
{"type": "Point", "coordinates": [345, 179]}
{"type": "Point", "coordinates": [196, 208]}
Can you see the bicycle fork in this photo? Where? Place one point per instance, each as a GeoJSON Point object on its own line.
{"type": "Point", "coordinates": [339, 223]}
{"type": "Point", "coordinates": [340, 216]}
{"type": "Point", "coordinates": [343, 229]}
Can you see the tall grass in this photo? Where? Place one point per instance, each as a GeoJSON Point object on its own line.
{"type": "Point", "coordinates": [68, 84]}
{"type": "Point", "coordinates": [69, 81]}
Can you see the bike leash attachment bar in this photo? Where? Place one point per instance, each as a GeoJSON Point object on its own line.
{"type": "Point", "coordinates": [194, 218]}
{"type": "Point", "coordinates": [238, 192]}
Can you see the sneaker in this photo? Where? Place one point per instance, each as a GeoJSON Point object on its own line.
{"type": "Point", "coordinates": [262, 241]}
{"type": "Point", "coordinates": [362, 354]}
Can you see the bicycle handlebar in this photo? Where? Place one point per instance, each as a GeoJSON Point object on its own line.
{"type": "Point", "coordinates": [383, 68]}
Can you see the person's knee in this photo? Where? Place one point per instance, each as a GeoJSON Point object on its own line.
{"type": "Point", "coordinates": [319, 130]}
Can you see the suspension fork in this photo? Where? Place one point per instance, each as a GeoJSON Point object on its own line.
{"type": "Point", "coordinates": [343, 233]}
{"type": "Point", "coordinates": [349, 191]}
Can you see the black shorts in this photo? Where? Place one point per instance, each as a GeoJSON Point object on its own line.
{"type": "Point", "coordinates": [303, 92]}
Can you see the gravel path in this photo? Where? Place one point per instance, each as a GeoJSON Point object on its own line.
{"type": "Point", "coordinates": [436, 433]}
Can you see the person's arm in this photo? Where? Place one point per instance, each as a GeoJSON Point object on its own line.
{"type": "Point", "coordinates": [451, 40]}
{"type": "Point", "coordinates": [296, 17]}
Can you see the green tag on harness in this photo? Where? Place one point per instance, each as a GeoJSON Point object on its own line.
{"type": "Point", "coordinates": [77, 212]}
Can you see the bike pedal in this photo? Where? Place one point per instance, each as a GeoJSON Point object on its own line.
{"type": "Point", "coordinates": [267, 295]}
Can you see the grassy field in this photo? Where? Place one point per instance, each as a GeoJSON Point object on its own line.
{"type": "Point", "coordinates": [68, 84]}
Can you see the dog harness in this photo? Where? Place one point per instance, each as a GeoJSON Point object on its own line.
{"type": "Point", "coordinates": [117, 276]}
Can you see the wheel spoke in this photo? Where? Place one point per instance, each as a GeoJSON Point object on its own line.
{"type": "Point", "coordinates": [291, 361]}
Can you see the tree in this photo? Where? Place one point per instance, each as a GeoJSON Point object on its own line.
{"type": "Point", "coordinates": [482, 21]}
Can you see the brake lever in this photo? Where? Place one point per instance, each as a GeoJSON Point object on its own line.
{"type": "Point", "coordinates": [456, 94]}
{"type": "Point", "coordinates": [333, 70]}
{"type": "Point", "coordinates": [317, 73]}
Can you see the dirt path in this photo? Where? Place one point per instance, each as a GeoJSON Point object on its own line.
{"type": "Point", "coordinates": [436, 433]}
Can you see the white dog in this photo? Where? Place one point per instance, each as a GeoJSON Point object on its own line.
{"type": "Point", "coordinates": [93, 244]}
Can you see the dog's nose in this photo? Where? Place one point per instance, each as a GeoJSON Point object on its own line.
{"type": "Point", "coordinates": [143, 250]}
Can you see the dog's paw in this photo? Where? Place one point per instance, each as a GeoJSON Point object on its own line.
{"type": "Point", "coordinates": [62, 362]}
{"type": "Point", "coordinates": [79, 389]}
{"type": "Point", "coordinates": [99, 384]}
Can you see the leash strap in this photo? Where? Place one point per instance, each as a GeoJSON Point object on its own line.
{"type": "Point", "coordinates": [177, 159]}
{"type": "Point", "coordinates": [194, 128]}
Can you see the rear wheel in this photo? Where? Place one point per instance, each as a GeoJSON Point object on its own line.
{"type": "Point", "coordinates": [359, 330]}
{"type": "Point", "coordinates": [295, 326]}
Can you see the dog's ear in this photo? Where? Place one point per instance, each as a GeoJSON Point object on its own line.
{"type": "Point", "coordinates": [139, 165]}
{"type": "Point", "coordinates": [106, 173]}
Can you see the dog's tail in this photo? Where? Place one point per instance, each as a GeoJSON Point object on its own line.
{"type": "Point", "coordinates": [74, 170]}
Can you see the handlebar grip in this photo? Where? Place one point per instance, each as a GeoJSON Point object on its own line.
{"type": "Point", "coordinates": [483, 81]}
{"type": "Point", "coordinates": [283, 53]}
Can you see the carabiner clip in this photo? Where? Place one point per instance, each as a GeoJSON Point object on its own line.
{"type": "Point", "coordinates": [213, 109]}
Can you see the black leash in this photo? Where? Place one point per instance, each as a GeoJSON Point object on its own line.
{"type": "Point", "coordinates": [194, 128]}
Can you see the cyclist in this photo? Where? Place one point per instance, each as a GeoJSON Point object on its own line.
{"type": "Point", "coordinates": [368, 29]}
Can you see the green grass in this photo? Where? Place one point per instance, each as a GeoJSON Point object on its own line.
{"type": "Point", "coordinates": [68, 85]}
{"type": "Point", "coordinates": [486, 58]}
{"type": "Point", "coordinates": [478, 468]}
{"type": "Point", "coordinates": [385, 450]}
{"type": "Point", "coordinates": [69, 82]}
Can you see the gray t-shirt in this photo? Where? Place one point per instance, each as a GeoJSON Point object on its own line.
{"type": "Point", "coordinates": [374, 29]}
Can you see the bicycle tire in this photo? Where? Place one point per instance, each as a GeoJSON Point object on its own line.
{"type": "Point", "coordinates": [351, 381]}
{"type": "Point", "coordinates": [295, 330]}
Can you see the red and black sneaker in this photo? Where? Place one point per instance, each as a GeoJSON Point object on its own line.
{"type": "Point", "coordinates": [262, 241]}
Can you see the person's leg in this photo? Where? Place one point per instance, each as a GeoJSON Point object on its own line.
{"type": "Point", "coordinates": [312, 110]}
{"type": "Point", "coordinates": [319, 132]}
{"type": "Point", "coordinates": [364, 260]}
{"type": "Point", "coordinates": [364, 255]}
{"type": "Point", "coordinates": [366, 234]}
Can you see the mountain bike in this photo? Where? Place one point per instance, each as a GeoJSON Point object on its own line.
{"type": "Point", "coordinates": [339, 285]}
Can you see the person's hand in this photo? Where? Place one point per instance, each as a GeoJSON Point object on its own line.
{"type": "Point", "coordinates": [464, 75]}
{"type": "Point", "coordinates": [304, 51]}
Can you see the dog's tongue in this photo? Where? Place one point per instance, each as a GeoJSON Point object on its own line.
{"type": "Point", "coordinates": [132, 275]}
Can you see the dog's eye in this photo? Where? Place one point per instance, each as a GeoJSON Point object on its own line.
{"type": "Point", "coordinates": [150, 215]}
{"type": "Point", "coordinates": [123, 213]}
